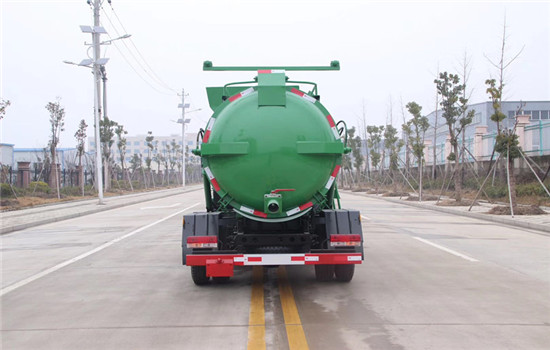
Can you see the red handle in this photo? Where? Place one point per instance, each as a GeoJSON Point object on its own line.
{"type": "Point", "coordinates": [282, 190]}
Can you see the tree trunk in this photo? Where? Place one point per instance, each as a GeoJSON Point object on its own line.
{"type": "Point", "coordinates": [512, 184]}
{"type": "Point", "coordinates": [458, 180]}
{"type": "Point", "coordinates": [420, 173]}
{"type": "Point", "coordinates": [81, 177]}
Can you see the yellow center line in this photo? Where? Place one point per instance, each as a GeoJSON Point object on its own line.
{"type": "Point", "coordinates": [256, 319]}
{"type": "Point", "coordinates": [294, 331]}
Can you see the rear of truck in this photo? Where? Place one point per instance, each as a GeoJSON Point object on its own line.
{"type": "Point", "coordinates": [270, 156]}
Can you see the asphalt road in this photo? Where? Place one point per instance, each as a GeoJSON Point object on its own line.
{"type": "Point", "coordinates": [114, 280]}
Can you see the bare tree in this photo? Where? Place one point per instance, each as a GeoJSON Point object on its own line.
{"type": "Point", "coordinates": [405, 135]}
{"type": "Point", "coordinates": [57, 122]}
{"type": "Point", "coordinates": [503, 62]}
{"type": "Point", "coordinates": [80, 136]}
{"type": "Point", "coordinates": [436, 119]}
{"type": "Point", "coordinates": [418, 126]}
{"type": "Point", "coordinates": [362, 122]}
{"type": "Point", "coordinates": [150, 148]}
{"type": "Point", "coordinates": [107, 129]}
{"type": "Point", "coordinates": [506, 143]}
{"type": "Point", "coordinates": [465, 71]}
{"type": "Point", "coordinates": [121, 145]}
{"type": "Point", "coordinates": [393, 144]}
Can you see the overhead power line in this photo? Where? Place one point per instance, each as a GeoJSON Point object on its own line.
{"type": "Point", "coordinates": [150, 78]}
{"type": "Point", "coordinates": [140, 55]}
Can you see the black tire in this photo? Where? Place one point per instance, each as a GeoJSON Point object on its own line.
{"type": "Point", "coordinates": [344, 273]}
{"type": "Point", "coordinates": [324, 273]}
{"type": "Point", "coordinates": [198, 273]}
{"type": "Point", "coordinates": [220, 280]}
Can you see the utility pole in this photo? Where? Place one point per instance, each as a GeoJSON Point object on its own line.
{"type": "Point", "coordinates": [97, 101]}
{"type": "Point", "coordinates": [183, 150]}
{"type": "Point", "coordinates": [104, 78]}
{"type": "Point", "coordinates": [106, 171]}
{"type": "Point", "coordinates": [97, 65]}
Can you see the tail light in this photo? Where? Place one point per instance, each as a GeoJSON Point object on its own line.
{"type": "Point", "coordinates": [345, 240]}
{"type": "Point", "coordinates": [202, 242]}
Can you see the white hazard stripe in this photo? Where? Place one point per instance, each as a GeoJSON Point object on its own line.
{"type": "Point", "coordinates": [247, 209]}
{"type": "Point", "coordinates": [335, 132]}
{"type": "Point", "coordinates": [299, 209]}
{"type": "Point", "coordinates": [241, 94]}
{"type": "Point", "coordinates": [332, 177]}
{"type": "Point", "coordinates": [247, 91]}
{"type": "Point", "coordinates": [304, 95]}
{"type": "Point", "coordinates": [211, 124]}
{"type": "Point", "coordinates": [293, 211]}
{"type": "Point", "coordinates": [309, 98]}
{"type": "Point", "coordinates": [275, 259]}
{"type": "Point", "coordinates": [329, 182]}
{"type": "Point", "coordinates": [209, 173]}
{"type": "Point", "coordinates": [270, 71]}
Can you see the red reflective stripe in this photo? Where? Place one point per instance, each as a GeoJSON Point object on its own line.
{"type": "Point", "coordinates": [310, 259]}
{"type": "Point", "coordinates": [264, 71]}
{"type": "Point", "coordinates": [206, 136]}
{"type": "Point", "coordinates": [216, 185]}
{"type": "Point", "coordinates": [345, 238]}
{"type": "Point", "coordinates": [297, 92]}
{"type": "Point", "coordinates": [305, 206]}
{"type": "Point", "coordinates": [234, 97]}
{"type": "Point", "coordinates": [260, 213]}
{"type": "Point", "coordinates": [202, 239]}
{"type": "Point", "coordinates": [330, 121]}
{"type": "Point", "coordinates": [336, 170]}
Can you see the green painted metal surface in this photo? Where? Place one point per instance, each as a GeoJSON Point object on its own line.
{"type": "Point", "coordinates": [271, 90]}
{"type": "Point", "coordinates": [208, 66]}
{"type": "Point", "coordinates": [255, 145]}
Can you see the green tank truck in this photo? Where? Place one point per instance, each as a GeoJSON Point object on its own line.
{"type": "Point", "coordinates": [270, 156]}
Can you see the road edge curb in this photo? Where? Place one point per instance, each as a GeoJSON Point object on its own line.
{"type": "Point", "coordinates": [11, 229]}
{"type": "Point", "coordinates": [500, 220]}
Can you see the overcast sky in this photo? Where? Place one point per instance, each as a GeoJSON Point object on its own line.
{"type": "Point", "coordinates": [389, 51]}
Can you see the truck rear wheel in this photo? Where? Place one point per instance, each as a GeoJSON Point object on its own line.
{"type": "Point", "coordinates": [198, 273]}
{"type": "Point", "coordinates": [324, 273]}
{"type": "Point", "coordinates": [344, 273]}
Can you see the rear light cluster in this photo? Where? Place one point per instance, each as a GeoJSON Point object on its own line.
{"type": "Point", "coordinates": [345, 240]}
{"type": "Point", "coordinates": [202, 242]}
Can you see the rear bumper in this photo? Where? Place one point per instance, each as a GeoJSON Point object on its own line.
{"type": "Point", "coordinates": [274, 259]}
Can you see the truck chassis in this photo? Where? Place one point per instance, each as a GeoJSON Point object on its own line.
{"type": "Point", "coordinates": [214, 243]}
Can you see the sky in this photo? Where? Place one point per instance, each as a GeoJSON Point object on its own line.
{"type": "Point", "coordinates": [389, 51]}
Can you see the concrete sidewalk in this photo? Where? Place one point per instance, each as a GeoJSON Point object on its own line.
{"type": "Point", "coordinates": [20, 219]}
{"type": "Point", "coordinates": [535, 222]}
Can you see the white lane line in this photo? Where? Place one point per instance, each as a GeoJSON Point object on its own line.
{"type": "Point", "coordinates": [161, 206]}
{"type": "Point", "coordinates": [46, 272]}
{"type": "Point", "coordinates": [450, 251]}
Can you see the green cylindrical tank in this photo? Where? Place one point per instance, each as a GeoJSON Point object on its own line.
{"type": "Point", "coordinates": [271, 152]}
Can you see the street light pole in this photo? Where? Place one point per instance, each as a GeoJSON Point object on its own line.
{"type": "Point", "coordinates": [97, 102]}
{"type": "Point", "coordinates": [183, 150]}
